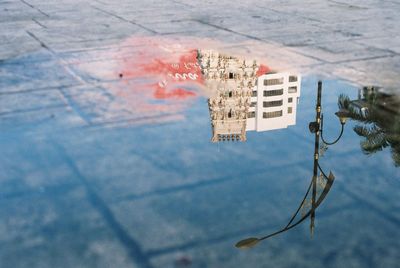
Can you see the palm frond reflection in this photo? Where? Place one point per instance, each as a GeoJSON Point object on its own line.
{"type": "Point", "coordinates": [377, 114]}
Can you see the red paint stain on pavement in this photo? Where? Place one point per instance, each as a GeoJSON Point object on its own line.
{"type": "Point", "coordinates": [173, 71]}
{"type": "Point", "coordinates": [263, 69]}
{"type": "Point", "coordinates": [175, 75]}
{"type": "Point", "coordinates": [179, 93]}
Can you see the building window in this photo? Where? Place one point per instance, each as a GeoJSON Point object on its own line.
{"type": "Point", "coordinates": [273, 82]}
{"type": "Point", "coordinates": [289, 110]}
{"type": "Point", "coordinates": [292, 78]}
{"type": "Point", "coordinates": [292, 89]}
{"type": "Point", "coordinates": [272, 114]}
{"type": "Point", "coordinates": [230, 94]}
{"type": "Point", "coordinates": [230, 114]}
{"type": "Point", "coordinates": [253, 104]}
{"type": "Point", "coordinates": [290, 100]}
{"type": "Point", "coordinates": [275, 92]}
{"type": "Point", "coordinates": [254, 93]}
{"type": "Point", "coordinates": [272, 103]}
{"type": "Point", "coordinates": [251, 114]}
{"type": "Point", "coordinates": [230, 75]}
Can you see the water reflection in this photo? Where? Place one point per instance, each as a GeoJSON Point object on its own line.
{"type": "Point", "coordinates": [245, 96]}
{"type": "Point", "coordinates": [378, 116]}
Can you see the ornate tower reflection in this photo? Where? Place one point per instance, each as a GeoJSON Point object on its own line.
{"type": "Point", "coordinates": [230, 81]}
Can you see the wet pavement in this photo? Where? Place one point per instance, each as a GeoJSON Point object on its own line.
{"type": "Point", "coordinates": [106, 136]}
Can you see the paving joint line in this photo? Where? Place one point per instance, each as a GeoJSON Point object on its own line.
{"type": "Point", "coordinates": [35, 8]}
{"type": "Point", "coordinates": [38, 23]}
{"type": "Point", "coordinates": [392, 219]}
{"type": "Point", "coordinates": [2, 114]}
{"type": "Point", "coordinates": [183, 4]}
{"type": "Point", "coordinates": [38, 89]}
{"type": "Point", "coordinates": [346, 5]}
{"type": "Point", "coordinates": [195, 185]}
{"type": "Point", "coordinates": [364, 59]}
{"type": "Point", "coordinates": [123, 19]}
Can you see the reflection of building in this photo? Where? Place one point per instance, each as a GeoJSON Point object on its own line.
{"type": "Point", "coordinates": [231, 83]}
{"type": "Point", "coordinates": [274, 102]}
{"type": "Point", "coordinates": [240, 102]}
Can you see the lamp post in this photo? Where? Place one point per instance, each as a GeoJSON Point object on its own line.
{"type": "Point", "coordinates": [315, 128]}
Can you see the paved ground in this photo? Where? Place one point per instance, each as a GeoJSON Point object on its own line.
{"type": "Point", "coordinates": [78, 151]}
{"type": "Point", "coordinates": [357, 40]}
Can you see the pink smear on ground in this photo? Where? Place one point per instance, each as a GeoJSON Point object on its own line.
{"type": "Point", "coordinates": [172, 71]}
{"type": "Point", "coordinates": [176, 74]}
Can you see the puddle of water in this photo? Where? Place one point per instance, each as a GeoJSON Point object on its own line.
{"type": "Point", "coordinates": [163, 194]}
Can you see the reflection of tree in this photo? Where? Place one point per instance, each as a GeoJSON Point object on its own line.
{"type": "Point", "coordinates": [379, 114]}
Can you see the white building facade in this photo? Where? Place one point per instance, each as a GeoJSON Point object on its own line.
{"type": "Point", "coordinates": [274, 102]}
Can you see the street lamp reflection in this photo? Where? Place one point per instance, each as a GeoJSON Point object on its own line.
{"type": "Point", "coordinates": [316, 127]}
